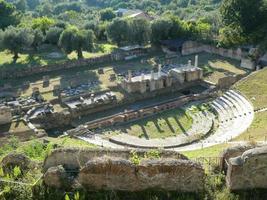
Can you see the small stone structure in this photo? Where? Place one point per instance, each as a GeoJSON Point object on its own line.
{"type": "Point", "coordinates": [228, 81]}
{"type": "Point", "coordinates": [46, 81]}
{"type": "Point", "coordinates": [129, 52]}
{"type": "Point", "coordinates": [100, 169]}
{"type": "Point", "coordinates": [89, 101]}
{"type": "Point", "coordinates": [249, 170]}
{"type": "Point", "coordinates": [5, 115]}
{"type": "Point", "coordinates": [159, 80]}
{"type": "Point", "coordinates": [248, 64]}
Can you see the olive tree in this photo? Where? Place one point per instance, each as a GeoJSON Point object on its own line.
{"type": "Point", "coordinates": [38, 38]}
{"type": "Point", "coordinates": [53, 34]}
{"type": "Point", "coordinates": [16, 39]}
{"type": "Point", "coordinates": [73, 39]}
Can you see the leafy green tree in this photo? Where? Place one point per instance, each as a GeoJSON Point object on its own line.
{"type": "Point", "coordinates": [43, 23]}
{"type": "Point", "coordinates": [230, 36]}
{"type": "Point", "coordinates": [140, 31]}
{"type": "Point", "coordinates": [8, 15]}
{"type": "Point", "coordinates": [32, 4]}
{"type": "Point", "coordinates": [21, 5]}
{"type": "Point", "coordinates": [204, 29]}
{"type": "Point", "coordinates": [38, 38]}
{"type": "Point", "coordinates": [15, 39]}
{"type": "Point", "coordinates": [118, 31]}
{"type": "Point", "coordinates": [53, 34]}
{"type": "Point", "coordinates": [107, 14]}
{"type": "Point", "coordinates": [161, 29]}
{"type": "Point", "coordinates": [73, 39]}
{"type": "Point", "coordinates": [71, 6]}
{"type": "Point", "coordinates": [249, 15]}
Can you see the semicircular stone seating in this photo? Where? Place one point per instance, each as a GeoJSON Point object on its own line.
{"type": "Point", "coordinates": [234, 115]}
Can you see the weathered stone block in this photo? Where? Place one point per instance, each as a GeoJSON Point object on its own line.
{"type": "Point", "coordinates": [5, 115]}
{"type": "Point", "coordinates": [248, 171]}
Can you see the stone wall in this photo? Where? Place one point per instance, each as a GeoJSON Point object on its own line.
{"type": "Point", "coordinates": [229, 81]}
{"type": "Point", "coordinates": [248, 171]}
{"type": "Point", "coordinates": [192, 47]}
{"type": "Point", "coordinates": [5, 115]}
{"type": "Point", "coordinates": [75, 158]}
{"type": "Point", "coordinates": [30, 70]}
{"type": "Point", "coordinates": [248, 64]}
{"type": "Point", "coordinates": [100, 169]}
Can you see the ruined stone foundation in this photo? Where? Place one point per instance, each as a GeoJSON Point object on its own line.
{"type": "Point", "coordinates": [113, 170]}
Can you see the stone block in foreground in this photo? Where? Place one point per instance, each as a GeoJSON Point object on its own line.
{"type": "Point", "coordinates": [101, 169]}
{"type": "Point", "coordinates": [159, 174]}
{"type": "Point", "coordinates": [248, 171]}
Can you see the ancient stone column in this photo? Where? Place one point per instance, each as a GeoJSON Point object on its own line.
{"type": "Point", "coordinates": [152, 75]}
{"type": "Point", "coordinates": [129, 75]}
{"type": "Point", "coordinates": [189, 63]}
{"type": "Point", "coordinates": [142, 77]}
{"type": "Point", "coordinates": [159, 72]}
{"type": "Point", "coordinates": [196, 61]}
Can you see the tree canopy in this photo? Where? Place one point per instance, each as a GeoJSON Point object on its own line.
{"type": "Point", "coordinates": [73, 39]}
{"type": "Point", "coordinates": [8, 14]}
{"type": "Point", "coordinates": [16, 39]}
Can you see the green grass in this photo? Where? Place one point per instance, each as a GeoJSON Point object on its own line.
{"type": "Point", "coordinates": [213, 151]}
{"type": "Point", "coordinates": [254, 87]}
{"type": "Point", "coordinates": [30, 58]}
{"type": "Point", "coordinates": [166, 124]}
{"type": "Point", "coordinates": [257, 131]}
{"type": "Point", "coordinates": [42, 58]}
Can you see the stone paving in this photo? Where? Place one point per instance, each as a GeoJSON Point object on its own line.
{"type": "Point", "coordinates": [234, 116]}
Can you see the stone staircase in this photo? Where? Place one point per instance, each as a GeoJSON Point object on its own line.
{"type": "Point", "coordinates": [234, 116]}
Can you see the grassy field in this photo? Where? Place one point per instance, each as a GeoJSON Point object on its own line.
{"type": "Point", "coordinates": [166, 124]}
{"type": "Point", "coordinates": [213, 151]}
{"type": "Point", "coordinates": [81, 75]}
{"type": "Point", "coordinates": [254, 87]}
{"type": "Point", "coordinates": [43, 56]}
{"type": "Point", "coordinates": [257, 131]}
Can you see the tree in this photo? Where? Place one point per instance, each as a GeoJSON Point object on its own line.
{"type": "Point", "coordinates": [118, 31]}
{"type": "Point", "coordinates": [53, 34]}
{"type": "Point", "coordinates": [73, 39]}
{"type": "Point", "coordinates": [32, 4]}
{"type": "Point", "coordinates": [8, 15]}
{"type": "Point", "coordinates": [21, 5]}
{"type": "Point", "coordinates": [15, 39]}
{"type": "Point", "coordinates": [43, 23]}
{"type": "Point", "coordinates": [140, 31]}
{"type": "Point", "coordinates": [249, 15]}
{"type": "Point", "coordinates": [38, 38]}
{"type": "Point", "coordinates": [107, 14]}
{"type": "Point", "coordinates": [204, 29]}
{"type": "Point", "coordinates": [161, 29]}
{"type": "Point", "coordinates": [229, 37]}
